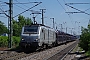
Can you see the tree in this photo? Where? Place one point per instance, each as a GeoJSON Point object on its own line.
{"type": "Point", "coordinates": [3, 28]}
{"type": "Point", "coordinates": [85, 38]}
{"type": "Point", "coordinates": [15, 28]}
{"type": "Point", "coordinates": [28, 21]}
{"type": "Point", "coordinates": [17, 25]}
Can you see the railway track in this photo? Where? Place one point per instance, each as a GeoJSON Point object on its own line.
{"type": "Point", "coordinates": [63, 53]}
{"type": "Point", "coordinates": [12, 55]}
{"type": "Point", "coordinates": [17, 54]}
{"type": "Point", "coordinates": [46, 54]}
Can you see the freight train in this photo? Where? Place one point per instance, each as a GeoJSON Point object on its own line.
{"type": "Point", "coordinates": [38, 35]}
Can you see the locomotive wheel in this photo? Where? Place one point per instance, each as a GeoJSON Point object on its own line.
{"type": "Point", "coordinates": [45, 46]}
{"type": "Point", "coordinates": [53, 44]}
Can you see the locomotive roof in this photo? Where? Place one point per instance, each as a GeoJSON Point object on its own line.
{"type": "Point", "coordinates": [39, 25]}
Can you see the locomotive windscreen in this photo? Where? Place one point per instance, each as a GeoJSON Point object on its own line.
{"type": "Point", "coordinates": [30, 29]}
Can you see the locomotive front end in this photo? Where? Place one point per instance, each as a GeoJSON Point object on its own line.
{"type": "Point", "coordinates": [29, 36]}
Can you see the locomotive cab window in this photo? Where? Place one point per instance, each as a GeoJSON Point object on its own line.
{"type": "Point", "coordinates": [31, 29]}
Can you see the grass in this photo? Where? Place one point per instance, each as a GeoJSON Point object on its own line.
{"type": "Point", "coordinates": [75, 49]}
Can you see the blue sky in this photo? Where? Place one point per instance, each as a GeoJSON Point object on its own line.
{"type": "Point", "coordinates": [54, 9]}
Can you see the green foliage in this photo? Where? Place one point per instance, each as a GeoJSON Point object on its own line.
{"type": "Point", "coordinates": [88, 53]}
{"type": "Point", "coordinates": [4, 41]}
{"type": "Point", "coordinates": [85, 39]}
{"type": "Point", "coordinates": [15, 41]}
{"type": "Point", "coordinates": [3, 28]}
{"type": "Point", "coordinates": [17, 25]}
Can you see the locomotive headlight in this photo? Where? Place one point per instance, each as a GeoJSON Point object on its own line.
{"type": "Point", "coordinates": [36, 40]}
{"type": "Point", "coordinates": [22, 39]}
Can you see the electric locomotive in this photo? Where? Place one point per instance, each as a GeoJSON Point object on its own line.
{"type": "Point", "coordinates": [37, 35]}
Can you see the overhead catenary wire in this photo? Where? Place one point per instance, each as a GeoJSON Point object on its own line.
{"type": "Point", "coordinates": [77, 9]}
{"type": "Point", "coordinates": [76, 3]}
{"type": "Point", "coordinates": [46, 9]}
{"type": "Point", "coordinates": [65, 10]}
{"type": "Point", "coordinates": [80, 11]}
{"type": "Point", "coordinates": [87, 9]}
{"type": "Point", "coordinates": [43, 6]}
{"type": "Point", "coordinates": [3, 11]}
{"type": "Point", "coordinates": [68, 4]}
{"type": "Point", "coordinates": [22, 4]}
{"type": "Point", "coordinates": [68, 9]}
{"type": "Point", "coordinates": [22, 7]}
{"type": "Point", "coordinates": [17, 5]}
{"type": "Point", "coordinates": [61, 5]}
{"type": "Point", "coordinates": [25, 3]}
{"type": "Point", "coordinates": [27, 9]}
{"type": "Point", "coordinates": [70, 16]}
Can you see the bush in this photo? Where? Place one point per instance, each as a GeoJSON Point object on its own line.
{"type": "Point", "coordinates": [88, 53]}
{"type": "Point", "coordinates": [15, 41]}
{"type": "Point", "coordinates": [85, 41]}
{"type": "Point", "coordinates": [4, 41]}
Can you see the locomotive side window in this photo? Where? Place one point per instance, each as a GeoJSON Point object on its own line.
{"type": "Point", "coordinates": [53, 35]}
{"type": "Point", "coordinates": [44, 33]}
{"type": "Point", "coordinates": [42, 30]}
